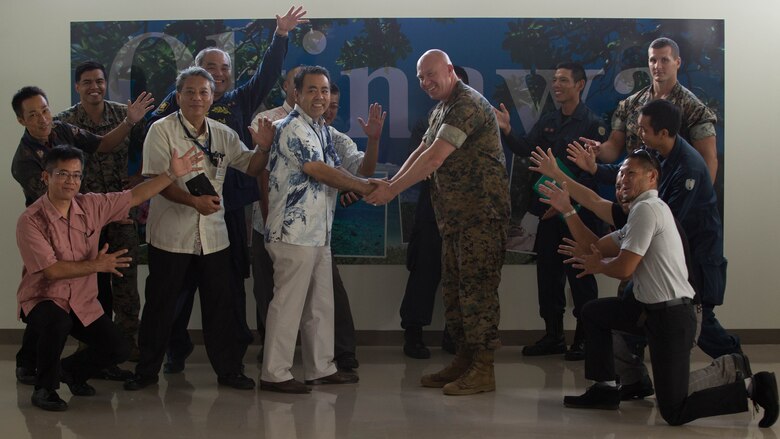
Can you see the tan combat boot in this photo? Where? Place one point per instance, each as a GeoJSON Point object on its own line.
{"type": "Point", "coordinates": [460, 364]}
{"type": "Point", "coordinates": [479, 378]}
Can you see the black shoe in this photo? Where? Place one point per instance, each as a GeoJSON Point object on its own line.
{"type": "Point", "coordinates": [236, 381]}
{"type": "Point", "coordinates": [547, 345]}
{"type": "Point", "coordinates": [447, 344]}
{"type": "Point", "coordinates": [48, 400]}
{"type": "Point", "coordinates": [576, 352]}
{"type": "Point", "coordinates": [347, 362]}
{"type": "Point", "coordinates": [413, 344]}
{"type": "Point", "coordinates": [175, 364]}
{"type": "Point", "coordinates": [336, 378]}
{"type": "Point", "coordinates": [77, 388]}
{"type": "Point", "coordinates": [765, 395]}
{"type": "Point", "coordinates": [25, 375]}
{"type": "Point", "coordinates": [637, 390]}
{"type": "Point", "coordinates": [598, 396]}
{"type": "Point", "coordinates": [113, 373]}
{"type": "Point", "coordinates": [289, 386]}
{"type": "Point", "coordinates": [138, 382]}
{"type": "Point", "coordinates": [742, 364]}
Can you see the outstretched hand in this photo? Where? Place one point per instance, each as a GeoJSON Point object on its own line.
{"type": "Point", "coordinates": [502, 116]}
{"type": "Point", "coordinates": [544, 162]}
{"type": "Point", "coordinates": [557, 197]}
{"type": "Point", "coordinates": [290, 20]}
{"type": "Point", "coordinates": [137, 109]}
{"type": "Point", "coordinates": [588, 263]}
{"type": "Point", "coordinates": [376, 121]}
{"type": "Point", "coordinates": [185, 164]}
{"type": "Point", "coordinates": [110, 262]}
{"type": "Point", "coordinates": [263, 136]}
{"type": "Point", "coordinates": [382, 193]}
{"type": "Point", "coordinates": [584, 156]}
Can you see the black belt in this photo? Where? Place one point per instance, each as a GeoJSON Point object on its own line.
{"type": "Point", "coordinates": [668, 304]}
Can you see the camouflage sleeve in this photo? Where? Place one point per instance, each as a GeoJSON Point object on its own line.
{"type": "Point", "coordinates": [460, 121]}
{"type": "Point", "coordinates": [83, 139]}
{"type": "Point", "coordinates": [700, 120]}
{"type": "Point", "coordinates": [619, 116]}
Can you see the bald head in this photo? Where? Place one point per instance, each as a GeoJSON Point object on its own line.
{"type": "Point", "coordinates": [436, 74]}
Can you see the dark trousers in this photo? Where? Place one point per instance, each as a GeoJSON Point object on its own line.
{"type": "Point", "coordinates": [670, 333]}
{"type": "Point", "coordinates": [167, 278]}
{"type": "Point", "coordinates": [263, 289]}
{"type": "Point", "coordinates": [180, 342]}
{"type": "Point", "coordinates": [423, 260]}
{"type": "Point", "coordinates": [105, 344]}
{"type": "Point", "coordinates": [552, 273]}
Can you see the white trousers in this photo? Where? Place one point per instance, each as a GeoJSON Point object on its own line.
{"type": "Point", "coordinates": [303, 299]}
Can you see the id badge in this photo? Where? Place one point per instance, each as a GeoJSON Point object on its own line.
{"type": "Point", "coordinates": [221, 169]}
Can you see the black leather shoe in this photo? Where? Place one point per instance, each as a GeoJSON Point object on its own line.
{"type": "Point", "coordinates": [175, 364]}
{"type": "Point", "coordinates": [289, 386]}
{"type": "Point", "coordinates": [336, 378]}
{"type": "Point", "coordinates": [113, 373]}
{"type": "Point", "coordinates": [576, 352]}
{"type": "Point", "coordinates": [25, 375]}
{"type": "Point", "coordinates": [77, 388]}
{"type": "Point", "coordinates": [138, 382]}
{"type": "Point", "coordinates": [48, 400]}
{"type": "Point", "coordinates": [637, 390]}
{"type": "Point", "coordinates": [416, 349]}
{"type": "Point", "coordinates": [347, 362]}
{"type": "Point", "coordinates": [547, 345]}
{"type": "Point", "coordinates": [765, 395]}
{"type": "Point", "coordinates": [236, 381]}
{"type": "Point", "coordinates": [598, 396]}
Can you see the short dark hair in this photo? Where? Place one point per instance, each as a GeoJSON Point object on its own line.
{"type": "Point", "coordinates": [23, 94]}
{"type": "Point", "coordinates": [61, 153]}
{"type": "Point", "coordinates": [460, 72]}
{"type": "Point", "coordinates": [88, 66]}
{"type": "Point", "coordinates": [309, 70]}
{"type": "Point", "coordinates": [577, 71]}
{"type": "Point", "coordinates": [648, 159]}
{"type": "Point", "coordinates": [334, 89]}
{"type": "Point", "coordinates": [663, 115]}
{"type": "Point", "coordinates": [190, 72]}
{"type": "Point", "coordinates": [660, 43]}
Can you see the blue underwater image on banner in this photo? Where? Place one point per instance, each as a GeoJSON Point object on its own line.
{"type": "Point", "coordinates": [509, 60]}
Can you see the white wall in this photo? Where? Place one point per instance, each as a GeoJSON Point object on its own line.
{"type": "Point", "coordinates": [34, 43]}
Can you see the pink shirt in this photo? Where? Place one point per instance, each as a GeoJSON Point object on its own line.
{"type": "Point", "coordinates": [44, 237]}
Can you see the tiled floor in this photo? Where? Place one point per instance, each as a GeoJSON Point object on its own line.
{"type": "Point", "coordinates": [387, 403]}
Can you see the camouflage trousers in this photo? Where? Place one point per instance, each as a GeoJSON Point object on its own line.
{"type": "Point", "coordinates": [124, 298]}
{"type": "Point", "coordinates": [471, 271]}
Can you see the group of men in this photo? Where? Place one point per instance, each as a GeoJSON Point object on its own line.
{"type": "Point", "coordinates": [199, 173]}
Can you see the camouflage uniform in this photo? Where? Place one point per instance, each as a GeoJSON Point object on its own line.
{"type": "Point", "coordinates": [107, 172]}
{"type": "Point", "coordinates": [470, 195]}
{"type": "Point", "coordinates": [698, 120]}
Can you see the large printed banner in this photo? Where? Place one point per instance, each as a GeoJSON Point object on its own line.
{"type": "Point", "coordinates": [509, 60]}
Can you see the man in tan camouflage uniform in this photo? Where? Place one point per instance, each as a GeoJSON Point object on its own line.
{"type": "Point", "coordinates": [470, 195]}
{"type": "Point", "coordinates": [108, 172]}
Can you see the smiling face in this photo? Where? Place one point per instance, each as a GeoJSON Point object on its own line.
{"type": "Point", "coordinates": [218, 64]}
{"type": "Point", "coordinates": [195, 99]}
{"type": "Point", "coordinates": [63, 180]}
{"type": "Point", "coordinates": [36, 117]}
{"type": "Point", "coordinates": [314, 95]}
{"type": "Point", "coordinates": [436, 75]}
{"type": "Point", "coordinates": [91, 87]}
{"type": "Point", "coordinates": [663, 65]}
{"type": "Point", "coordinates": [565, 89]}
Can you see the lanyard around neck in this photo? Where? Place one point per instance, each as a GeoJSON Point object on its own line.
{"type": "Point", "coordinates": [205, 148]}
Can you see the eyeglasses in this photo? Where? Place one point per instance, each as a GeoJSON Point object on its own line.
{"type": "Point", "coordinates": [65, 175]}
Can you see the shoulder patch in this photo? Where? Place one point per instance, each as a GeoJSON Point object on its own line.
{"type": "Point", "coordinates": [690, 183]}
{"type": "Point", "coordinates": [602, 131]}
{"type": "Point", "coordinates": [163, 106]}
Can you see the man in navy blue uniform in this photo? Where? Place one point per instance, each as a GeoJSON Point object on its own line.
{"type": "Point", "coordinates": [556, 130]}
{"type": "Point", "coordinates": [235, 109]}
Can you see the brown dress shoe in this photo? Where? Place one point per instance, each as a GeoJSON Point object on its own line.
{"type": "Point", "coordinates": [289, 386]}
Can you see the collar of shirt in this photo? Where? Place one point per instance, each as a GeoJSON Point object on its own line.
{"type": "Point", "coordinates": [646, 195]}
{"type": "Point", "coordinates": [314, 123]}
{"type": "Point", "coordinates": [54, 215]}
{"type": "Point", "coordinates": [202, 138]}
{"type": "Point", "coordinates": [86, 121]}
{"type": "Point", "coordinates": [287, 107]}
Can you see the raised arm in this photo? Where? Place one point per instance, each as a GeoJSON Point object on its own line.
{"type": "Point", "coordinates": [373, 130]}
{"type": "Point", "coordinates": [135, 114]}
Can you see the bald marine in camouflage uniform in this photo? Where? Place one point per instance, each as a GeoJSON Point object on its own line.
{"type": "Point", "coordinates": [108, 172]}
{"type": "Point", "coordinates": [470, 196]}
